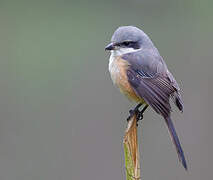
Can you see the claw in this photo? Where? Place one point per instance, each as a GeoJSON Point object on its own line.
{"type": "Point", "coordinates": [139, 116]}
{"type": "Point", "coordinates": [131, 112]}
{"type": "Point", "coordinates": [137, 112]}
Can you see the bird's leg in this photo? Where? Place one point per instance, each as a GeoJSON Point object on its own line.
{"type": "Point", "coordinates": [140, 113]}
{"type": "Point", "coordinates": [134, 111]}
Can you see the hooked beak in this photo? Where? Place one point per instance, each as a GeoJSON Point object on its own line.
{"type": "Point", "coordinates": [110, 47]}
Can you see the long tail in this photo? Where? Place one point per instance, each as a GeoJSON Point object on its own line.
{"type": "Point", "coordinates": [176, 141]}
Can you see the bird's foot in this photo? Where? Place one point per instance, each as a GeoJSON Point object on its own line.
{"type": "Point", "coordinates": [134, 111]}
{"type": "Point", "coordinates": [139, 114]}
{"type": "Point", "coordinates": [131, 114]}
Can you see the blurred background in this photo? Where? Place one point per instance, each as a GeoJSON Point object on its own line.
{"type": "Point", "coordinates": [60, 116]}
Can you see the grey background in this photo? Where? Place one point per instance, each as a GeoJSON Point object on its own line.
{"type": "Point", "coordinates": [60, 116]}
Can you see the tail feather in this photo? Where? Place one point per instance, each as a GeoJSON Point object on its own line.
{"type": "Point", "coordinates": [176, 141]}
{"type": "Point", "coordinates": [178, 101]}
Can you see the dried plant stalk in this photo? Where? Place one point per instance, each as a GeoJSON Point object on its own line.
{"type": "Point", "coordinates": [131, 150]}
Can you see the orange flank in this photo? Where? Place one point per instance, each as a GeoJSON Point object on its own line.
{"type": "Point", "coordinates": [122, 82]}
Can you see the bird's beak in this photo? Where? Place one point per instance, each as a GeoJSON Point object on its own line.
{"type": "Point", "coordinates": [110, 47]}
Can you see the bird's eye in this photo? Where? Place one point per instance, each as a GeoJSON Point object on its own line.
{"type": "Point", "coordinates": [126, 43]}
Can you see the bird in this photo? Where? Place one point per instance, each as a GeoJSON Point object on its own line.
{"type": "Point", "coordinates": [138, 70]}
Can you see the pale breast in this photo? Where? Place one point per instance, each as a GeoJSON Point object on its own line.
{"type": "Point", "coordinates": [117, 69]}
{"type": "Point", "coordinates": [113, 68]}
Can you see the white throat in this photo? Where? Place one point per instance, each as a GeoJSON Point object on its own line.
{"type": "Point", "coordinates": [122, 51]}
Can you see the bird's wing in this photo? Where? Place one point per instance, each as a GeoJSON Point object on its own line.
{"type": "Point", "coordinates": [147, 75]}
{"type": "Point", "coordinates": [150, 80]}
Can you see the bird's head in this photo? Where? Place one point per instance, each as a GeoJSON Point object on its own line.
{"type": "Point", "coordinates": [128, 39]}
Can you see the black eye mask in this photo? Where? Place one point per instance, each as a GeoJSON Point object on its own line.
{"type": "Point", "coordinates": [129, 44]}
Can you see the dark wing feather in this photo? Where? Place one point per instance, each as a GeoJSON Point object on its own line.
{"type": "Point", "coordinates": [151, 80]}
{"type": "Point", "coordinates": [155, 90]}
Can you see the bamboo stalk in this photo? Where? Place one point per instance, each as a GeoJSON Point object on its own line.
{"type": "Point", "coordinates": [131, 150]}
